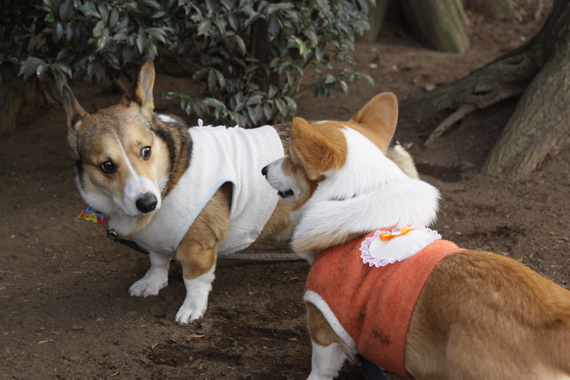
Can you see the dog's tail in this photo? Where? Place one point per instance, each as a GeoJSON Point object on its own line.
{"type": "Point", "coordinates": [400, 156]}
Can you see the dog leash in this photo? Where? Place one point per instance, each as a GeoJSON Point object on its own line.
{"type": "Point", "coordinates": [237, 256]}
{"type": "Point", "coordinates": [90, 214]}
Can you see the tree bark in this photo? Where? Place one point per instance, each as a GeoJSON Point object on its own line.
{"type": "Point", "coordinates": [541, 119]}
{"type": "Point", "coordinates": [11, 99]}
{"type": "Point", "coordinates": [376, 15]}
{"type": "Point", "coordinates": [440, 21]}
{"type": "Point", "coordinates": [15, 95]}
{"type": "Point", "coordinates": [498, 9]}
{"type": "Point", "coordinates": [539, 71]}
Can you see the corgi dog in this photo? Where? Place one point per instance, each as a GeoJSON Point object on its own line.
{"type": "Point", "coordinates": [176, 192]}
{"type": "Point", "coordinates": [384, 286]}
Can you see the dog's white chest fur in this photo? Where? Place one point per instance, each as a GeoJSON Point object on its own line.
{"type": "Point", "coordinates": [219, 155]}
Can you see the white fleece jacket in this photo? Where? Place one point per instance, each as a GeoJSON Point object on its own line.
{"type": "Point", "coordinates": [219, 155]}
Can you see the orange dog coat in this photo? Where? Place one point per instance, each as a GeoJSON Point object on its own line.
{"type": "Point", "coordinates": [373, 305]}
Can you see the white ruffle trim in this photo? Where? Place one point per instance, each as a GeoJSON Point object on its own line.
{"type": "Point", "coordinates": [378, 253]}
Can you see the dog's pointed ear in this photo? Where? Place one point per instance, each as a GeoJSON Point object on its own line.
{"type": "Point", "coordinates": [319, 150]}
{"type": "Point", "coordinates": [380, 115]}
{"type": "Point", "coordinates": [75, 115]}
{"type": "Point", "coordinates": [141, 91]}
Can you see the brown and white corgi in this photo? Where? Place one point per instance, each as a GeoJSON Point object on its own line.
{"type": "Point", "coordinates": [384, 286]}
{"type": "Point", "coordinates": [188, 193]}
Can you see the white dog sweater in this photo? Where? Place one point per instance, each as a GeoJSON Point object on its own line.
{"type": "Point", "coordinates": [219, 155]}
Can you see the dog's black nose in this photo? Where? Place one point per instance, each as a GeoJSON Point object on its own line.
{"type": "Point", "coordinates": [147, 202]}
{"type": "Point", "coordinates": [264, 171]}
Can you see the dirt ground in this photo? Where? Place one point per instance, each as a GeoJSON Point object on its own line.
{"type": "Point", "coordinates": [64, 307]}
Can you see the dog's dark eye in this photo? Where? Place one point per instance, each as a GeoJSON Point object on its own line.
{"type": "Point", "coordinates": [108, 167]}
{"type": "Point", "coordinates": [145, 152]}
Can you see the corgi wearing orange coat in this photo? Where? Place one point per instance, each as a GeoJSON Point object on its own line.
{"type": "Point", "coordinates": [385, 286]}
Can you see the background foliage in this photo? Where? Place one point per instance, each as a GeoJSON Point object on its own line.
{"type": "Point", "coordinates": [250, 55]}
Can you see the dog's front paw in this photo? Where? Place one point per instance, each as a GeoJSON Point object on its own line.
{"type": "Point", "coordinates": [189, 313]}
{"type": "Point", "coordinates": [196, 300]}
{"type": "Point", "coordinates": [149, 285]}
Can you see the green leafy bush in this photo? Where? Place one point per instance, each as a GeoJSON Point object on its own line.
{"type": "Point", "coordinates": [251, 55]}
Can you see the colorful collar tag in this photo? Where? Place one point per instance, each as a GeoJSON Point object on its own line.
{"type": "Point", "coordinates": [91, 215]}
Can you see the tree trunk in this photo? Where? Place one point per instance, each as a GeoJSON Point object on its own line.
{"type": "Point", "coordinates": [542, 117]}
{"type": "Point", "coordinates": [539, 71]}
{"type": "Point", "coordinates": [11, 99]}
{"type": "Point", "coordinates": [440, 21]}
{"type": "Point", "coordinates": [15, 95]}
{"type": "Point", "coordinates": [376, 15]}
{"type": "Point", "coordinates": [498, 9]}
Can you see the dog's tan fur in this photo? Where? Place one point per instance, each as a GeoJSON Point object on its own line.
{"type": "Point", "coordinates": [501, 320]}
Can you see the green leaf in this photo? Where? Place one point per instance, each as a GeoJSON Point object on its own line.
{"type": "Point", "coordinates": [41, 69]}
{"type": "Point", "coordinates": [267, 111]}
{"type": "Point", "coordinates": [259, 112]}
{"type": "Point", "coordinates": [89, 9]}
{"type": "Point", "coordinates": [63, 68]}
{"type": "Point", "coordinates": [311, 36]}
{"type": "Point", "coordinates": [212, 81]}
{"type": "Point", "coordinates": [114, 18]}
{"type": "Point", "coordinates": [239, 42]}
{"type": "Point", "coordinates": [99, 27]}
{"type": "Point", "coordinates": [283, 110]}
{"type": "Point", "coordinates": [319, 54]}
{"type": "Point", "coordinates": [59, 79]}
{"type": "Point", "coordinates": [69, 32]}
{"type": "Point", "coordinates": [253, 100]}
{"type": "Point", "coordinates": [152, 4]}
{"type": "Point", "coordinates": [330, 79]}
{"type": "Point", "coordinates": [57, 31]}
{"type": "Point", "coordinates": [252, 115]}
{"type": "Point", "coordinates": [157, 33]}
{"type": "Point", "coordinates": [173, 94]}
{"type": "Point", "coordinates": [186, 105]}
{"type": "Point", "coordinates": [112, 59]}
{"type": "Point", "coordinates": [239, 102]}
{"type": "Point", "coordinates": [233, 21]}
{"type": "Point", "coordinates": [220, 25]}
{"type": "Point", "coordinates": [274, 26]}
{"type": "Point", "coordinates": [272, 91]}
{"type": "Point", "coordinates": [140, 43]}
{"type": "Point", "coordinates": [221, 79]}
{"type": "Point", "coordinates": [103, 11]}
{"type": "Point", "coordinates": [204, 27]}
{"type": "Point", "coordinates": [159, 14]}
{"type": "Point", "coordinates": [343, 86]}
{"type": "Point", "coordinates": [66, 10]}
{"type": "Point", "coordinates": [62, 54]}
{"type": "Point", "coordinates": [291, 104]}
{"type": "Point", "coordinates": [368, 78]}
{"type": "Point", "coordinates": [211, 102]}
{"type": "Point", "coordinates": [49, 18]}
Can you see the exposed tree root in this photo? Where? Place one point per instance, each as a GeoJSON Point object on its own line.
{"type": "Point", "coordinates": [463, 111]}
{"type": "Point", "coordinates": [539, 71]}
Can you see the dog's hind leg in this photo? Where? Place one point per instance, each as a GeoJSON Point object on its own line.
{"type": "Point", "coordinates": [155, 278]}
{"type": "Point", "coordinates": [328, 351]}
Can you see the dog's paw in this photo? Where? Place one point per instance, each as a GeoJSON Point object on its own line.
{"type": "Point", "coordinates": [149, 285]}
{"type": "Point", "coordinates": [196, 301]}
{"type": "Point", "coordinates": [189, 313]}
